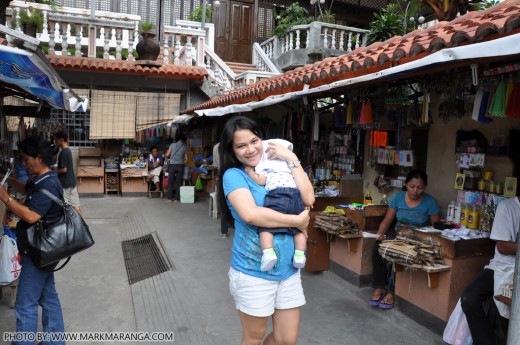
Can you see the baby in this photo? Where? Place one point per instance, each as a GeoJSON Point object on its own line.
{"type": "Point", "coordinates": [282, 196]}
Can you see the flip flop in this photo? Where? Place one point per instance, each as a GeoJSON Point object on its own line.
{"type": "Point", "coordinates": [385, 306]}
{"type": "Point", "coordinates": [375, 302]}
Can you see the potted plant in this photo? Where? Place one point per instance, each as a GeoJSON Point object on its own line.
{"type": "Point", "coordinates": [148, 48]}
{"type": "Point", "coordinates": [196, 15]}
{"type": "Point", "coordinates": [31, 22]}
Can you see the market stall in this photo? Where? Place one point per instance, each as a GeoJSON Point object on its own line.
{"type": "Point", "coordinates": [133, 180]}
{"type": "Point", "coordinates": [436, 288]}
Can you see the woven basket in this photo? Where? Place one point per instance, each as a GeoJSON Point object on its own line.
{"type": "Point", "coordinates": [12, 123]}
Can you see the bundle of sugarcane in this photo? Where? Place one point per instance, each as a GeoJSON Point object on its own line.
{"type": "Point", "coordinates": [336, 224]}
{"type": "Point", "coordinates": [411, 252]}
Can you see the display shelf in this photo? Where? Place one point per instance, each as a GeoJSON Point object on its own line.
{"type": "Point", "coordinates": [112, 181]}
{"type": "Point", "coordinates": [90, 172]}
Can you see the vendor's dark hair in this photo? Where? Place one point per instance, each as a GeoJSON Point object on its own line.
{"type": "Point", "coordinates": [181, 137]}
{"type": "Point", "coordinates": [153, 147]}
{"type": "Point", "coordinates": [35, 146]}
{"type": "Point", "coordinates": [418, 174]}
{"type": "Point", "coordinates": [228, 159]}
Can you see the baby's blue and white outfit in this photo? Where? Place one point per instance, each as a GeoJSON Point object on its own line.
{"type": "Point", "coordinates": [282, 193]}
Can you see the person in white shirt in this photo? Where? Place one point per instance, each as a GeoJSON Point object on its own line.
{"type": "Point", "coordinates": [504, 232]}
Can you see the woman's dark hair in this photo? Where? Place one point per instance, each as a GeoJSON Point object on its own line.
{"type": "Point", "coordinates": [38, 147]}
{"type": "Point", "coordinates": [228, 159]}
{"type": "Point", "coordinates": [181, 137]}
{"type": "Point", "coordinates": [418, 174]}
{"type": "Point", "coordinates": [153, 147]}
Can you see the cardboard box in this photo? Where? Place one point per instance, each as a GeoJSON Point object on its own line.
{"type": "Point", "coordinates": [187, 194]}
{"type": "Point", "coordinates": [351, 185]}
{"type": "Point", "coordinates": [187, 191]}
{"type": "Point", "coordinates": [187, 199]}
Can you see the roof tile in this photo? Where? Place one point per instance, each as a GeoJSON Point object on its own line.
{"type": "Point", "coordinates": [125, 67]}
{"type": "Point", "coordinates": [470, 28]}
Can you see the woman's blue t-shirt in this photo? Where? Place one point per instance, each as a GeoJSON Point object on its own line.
{"type": "Point", "coordinates": [246, 252]}
{"type": "Point", "coordinates": [417, 216]}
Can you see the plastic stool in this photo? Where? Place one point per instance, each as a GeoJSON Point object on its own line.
{"type": "Point", "coordinates": [213, 210]}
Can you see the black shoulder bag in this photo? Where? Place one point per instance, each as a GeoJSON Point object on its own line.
{"type": "Point", "coordinates": [50, 241]}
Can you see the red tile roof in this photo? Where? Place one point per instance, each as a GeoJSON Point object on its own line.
{"type": "Point", "coordinates": [126, 67]}
{"type": "Point", "coordinates": [495, 22]}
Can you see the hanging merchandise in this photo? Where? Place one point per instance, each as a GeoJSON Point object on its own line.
{"type": "Point", "coordinates": [349, 112]}
{"type": "Point", "coordinates": [362, 114]}
{"type": "Point", "coordinates": [509, 88]}
{"type": "Point", "coordinates": [477, 102]}
{"type": "Point", "coordinates": [368, 112]}
{"type": "Point", "coordinates": [492, 90]}
{"type": "Point", "coordinates": [483, 109]}
{"type": "Point", "coordinates": [498, 105]}
{"type": "Point", "coordinates": [378, 138]}
{"type": "Point", "coordinates": [513, 105]}
{"type": "Point", "coordinates": [316, 126]}
{"type": "Point", "coordinates": [425, 114]}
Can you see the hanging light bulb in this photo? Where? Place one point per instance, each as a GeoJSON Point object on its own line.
{"type": "Point", "coordinates": [216, 3]}
{"type": "Point", "coordinates": [322, 2]}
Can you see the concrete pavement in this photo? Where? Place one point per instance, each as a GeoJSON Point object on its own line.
{"type": "Point", "coordinates": [192, 299]}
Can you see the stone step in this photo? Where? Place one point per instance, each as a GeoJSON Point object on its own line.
{"type": "Point", "coordinates": [241, 67]}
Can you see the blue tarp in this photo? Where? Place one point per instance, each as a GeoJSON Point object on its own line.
{"type": "Point", "coordinates": [29, 72]}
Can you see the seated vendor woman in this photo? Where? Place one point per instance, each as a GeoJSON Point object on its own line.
{"type": "Point", "coordinates": [412, 207]}
{"type": "Point", "coordinates": [202, 160]}
{"type": "Point", "coordinates": [154, 163]}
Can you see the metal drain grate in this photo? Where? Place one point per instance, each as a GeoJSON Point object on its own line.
{"type": "Point", "coordinates": [143, 258]}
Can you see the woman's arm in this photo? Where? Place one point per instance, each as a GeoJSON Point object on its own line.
{"type": "Point", "coordinates": [385, 224]}
{"type": "Point", "coordinates": [22, 211]}
{"type": "Point", "coordinates": [435, 218]}
{"type": "Point", "coordinates": [258, 178]}
{"type": "Point", "coordinates": [242, 201]}
{"type": "Point", "coordinates": [18, 185]}
{"type": "Point", "coordinates": [301, 179]}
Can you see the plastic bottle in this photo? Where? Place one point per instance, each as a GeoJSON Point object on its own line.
{"type": "Point", "coordinates": [457, 207]}
{"type": "Point", "coordinates": [368, 199]}
{"type": "Point", "coordinates": [384, 201]}
{"type": "Point", "coordinates": [450, 212]}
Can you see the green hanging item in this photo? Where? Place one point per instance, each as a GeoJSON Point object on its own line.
{"type": "Point", "coordinates": [498, 104]}
{"type": "Point", "coordinates": [198, 184]}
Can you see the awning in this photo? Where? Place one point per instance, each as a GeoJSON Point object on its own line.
{"type": "Point", "coordinates": [32, 72]}
{"type": "Point", "coordinates": [499, 47]}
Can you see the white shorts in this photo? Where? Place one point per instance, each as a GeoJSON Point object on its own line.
{"type": "Point", "coordinates": [71, 196]}
{"type": "Point", "coordinates": [260, 297]}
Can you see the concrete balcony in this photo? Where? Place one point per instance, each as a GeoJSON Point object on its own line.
{"type": "Point", "coordinates": [108, 35]}
{"type": "Point", "coordinates": [305, 44]}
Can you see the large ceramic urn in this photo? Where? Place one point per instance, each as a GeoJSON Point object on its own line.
{"type": "Point", "coordinates": [148, 48]}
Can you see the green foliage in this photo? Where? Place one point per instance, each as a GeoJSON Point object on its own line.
{"type": "Point", "coordinates": [196, 15]}
{"type": "Point", "coordinates": [327, 17]}
{"type": "Point", "coordinates": [146, 27]}
{"type": "Point", "coordinates": [124, 54]}
{"type": "Point", "coordinates": [32, 18]}
{"type": "Point", "coordinates": [289, 17]}
{"type": "Point", "coordinates": [480, 6]}
{"type": "Point", "coordinates": [388, 22]}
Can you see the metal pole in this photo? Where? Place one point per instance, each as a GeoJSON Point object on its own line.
{"type": "Point", "coordinates": [203, 21]}
{"type": "Point", "coordinates": [513, 334]}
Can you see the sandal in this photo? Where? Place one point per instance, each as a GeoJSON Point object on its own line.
{"type": "Point", "coordinates": [374, 300]}
{"type": "Point", "coordinates": [387, 302]}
